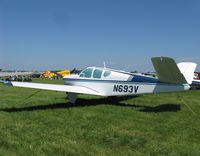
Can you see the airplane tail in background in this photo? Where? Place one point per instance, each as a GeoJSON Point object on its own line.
{"type": "Point", "coordinates": [168, 71]}
{"type": "Point", "coordinates": [187, 69]}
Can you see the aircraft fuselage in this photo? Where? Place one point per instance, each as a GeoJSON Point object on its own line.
{"type": "Point", "coordinates": [126, 84]}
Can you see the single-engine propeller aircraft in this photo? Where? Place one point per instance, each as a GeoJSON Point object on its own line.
{"type": "Point", "coordinates": [109, 82]}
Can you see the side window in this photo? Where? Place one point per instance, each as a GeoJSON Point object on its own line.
{"type": "Point", "coordinates": [97, 73]}
{"type": "Point", "coordinates": [106, 73]}
{"type": "Point", "coordinates": [86, 73]}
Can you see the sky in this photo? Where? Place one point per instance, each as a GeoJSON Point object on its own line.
{"type": "Point", "coordinates": [125, 34]}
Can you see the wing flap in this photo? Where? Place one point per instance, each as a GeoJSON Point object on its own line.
{"type": "Point", "coordinates": [54, 87]}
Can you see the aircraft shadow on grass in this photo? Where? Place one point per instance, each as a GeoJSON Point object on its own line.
{"type": "Point", "coordinates": [116, 101]}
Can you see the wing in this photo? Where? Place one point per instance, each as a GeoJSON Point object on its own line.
{"type": "Point", "coordinates": [53, 87]}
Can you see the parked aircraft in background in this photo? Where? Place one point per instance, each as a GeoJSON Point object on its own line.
{"type": "Point", "coordinates": [110, 82]}
{"type": "Point", "coordinates": [64, 73]}
{"type": "Point", "coordinates": [48, 74]}
{"type": "Point", "coordinates": [196, 80]}
{"type": "Point", "coordinates": [53, 74]}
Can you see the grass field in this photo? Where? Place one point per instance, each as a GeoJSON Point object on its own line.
{"type": "Point", "coordinates": [36, 122]}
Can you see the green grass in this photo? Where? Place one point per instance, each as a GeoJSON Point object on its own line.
{"type": "Point", "coordinates": [36, 122]}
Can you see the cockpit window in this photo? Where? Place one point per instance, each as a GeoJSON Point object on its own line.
{"type": "Point", "coordinates": [86, 73]}
{"type": "Point", "coordinates": [97, 73]}
{"type": "Point", "coordinates": [106, 73]}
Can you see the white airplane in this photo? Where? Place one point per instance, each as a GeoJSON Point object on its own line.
{"type": "Point", "coordinates": [109, 82]}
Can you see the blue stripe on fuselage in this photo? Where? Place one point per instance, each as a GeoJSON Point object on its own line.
{"type": "Point", "coordinates": [140, 78]}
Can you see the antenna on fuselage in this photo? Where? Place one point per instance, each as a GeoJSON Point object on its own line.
{"type": "Point", "coordinates": [104, 65]}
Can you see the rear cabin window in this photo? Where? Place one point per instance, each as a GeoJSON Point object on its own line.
{"type": "Point", "coordinates": [86, 73]}
{"type": "Point", "coordinates": [97, 73]}
{"type": "Point", "coordinates": [106, 73]}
